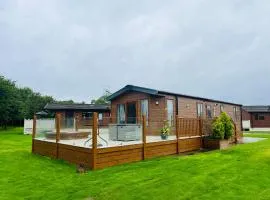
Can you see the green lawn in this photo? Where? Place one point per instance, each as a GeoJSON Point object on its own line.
{"type": "Point", "coordinates": [241, 172]}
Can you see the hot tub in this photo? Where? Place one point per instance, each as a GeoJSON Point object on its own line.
{"type": "Point", "coordinates": [67, 135]}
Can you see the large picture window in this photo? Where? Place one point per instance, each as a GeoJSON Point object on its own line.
{"type": "Point", "coordinates": [121, 114]}
{"type": "Point", "coordinates": [199, 109]}
{"type": "Point", "coordinates": [86, 115]}
{"type": "Point", "coordinates": [259, 117]}
{"type": "Point", "coordinates": [170, 112]}
{"type": "Point", "coordinates": [144, 109]}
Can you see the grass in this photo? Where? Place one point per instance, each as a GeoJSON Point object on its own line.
{"type": "Point", "coordinates": [241, 172]}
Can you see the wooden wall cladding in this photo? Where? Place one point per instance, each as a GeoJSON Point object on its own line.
{"type": "Point", "coordinates": [189, 144]}
{"type": "Point", "coordinates": [45, 148]}
{"type": "Point", "coordinates": [75, 155]}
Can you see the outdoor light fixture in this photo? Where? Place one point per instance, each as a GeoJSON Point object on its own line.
{"type": "Point", "coordinates": [156, 102]}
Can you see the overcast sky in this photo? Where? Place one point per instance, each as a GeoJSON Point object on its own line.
{"type": "Point", "coordinates": [76, 49]}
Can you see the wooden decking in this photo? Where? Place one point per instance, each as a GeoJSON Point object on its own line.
{"type": "Point", "coordinates": [106, 157]}
{"type": "Point", "coordinates": [98, 158]}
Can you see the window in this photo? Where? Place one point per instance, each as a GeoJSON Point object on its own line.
{"type": "Point", "coordinates": [199, 109]}
{"type": "Point", "coordinates": [221, 108]}
{"type": "Point", "coordinates": [121, 114]}
{"type": "Point", "coordinates": [259, 117]}
{"type": "Point", "coordinates": [100, 116]}
{"type": "Point", "coordinates": [87, 115]}
{"type": "Point", "coordinates": [214, 111]}
{"type": "Point", "coordinates": [208, 111]}
{"type": "Point", "coordinates": [170, 112]}
{"type": "Point", "coordinates": [144, 109]}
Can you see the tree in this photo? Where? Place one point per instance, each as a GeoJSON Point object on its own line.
{"type": "Point", "coordinates": [19, 103]}
{"type": "Point", "coordinates": [8, 101]}
{"type": "Point", "coordinates": [104, 99]}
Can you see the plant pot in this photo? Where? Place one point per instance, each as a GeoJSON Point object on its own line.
{"type": "Point", "coordinates": [164, 137]}
{"type": "Point", "coordinates": [211, 143]}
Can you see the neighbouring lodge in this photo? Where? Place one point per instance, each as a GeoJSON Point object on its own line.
{"type": "Point", "coordinates": [83, 112]}
{"type": "Point", "coordinates": [256, 118]}
{"type": "Point", "coordinates": [131, 102]}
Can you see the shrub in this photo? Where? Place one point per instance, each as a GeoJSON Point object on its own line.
{"type": "Point", "coordinates": [228, 124]}
{"type": "Point", "coordinates": [218, 129]}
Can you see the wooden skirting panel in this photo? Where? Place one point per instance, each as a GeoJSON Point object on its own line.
{"type": "Point", "coordinates": [156, 149]}
{"type": "Point", "coordinates": [45, 148]}
{"type": "Point", "coordinates": [189, 144]}
{"type": "Point", "coordinates": [107, 157]}
{"type": "Point", "coordinates": [75, 155]}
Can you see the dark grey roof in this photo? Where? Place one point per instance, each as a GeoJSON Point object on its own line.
{"type": "Point", "coordinates": [80, 107]}
{"type": "Point", "coordinates": [257, 108]}
{"type": "Point", "coordinates": [130, 88]}
{"type": "Point", "coordinates": [159, 93]}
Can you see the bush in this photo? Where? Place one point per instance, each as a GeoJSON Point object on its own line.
{"type": "Point", "coordinates": [228, 124]}
{"type": "Point", "coordinates": [222, 127]}
{"type": "Point", "coordinates": [218, 129]}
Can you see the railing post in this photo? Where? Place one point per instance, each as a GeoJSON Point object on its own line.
{"type": "Point", "coordinates": [235, 133]}
{"type": "Point", "coordinates": [57, 135]}
{"type": "Point", "coordinates": [76, 122]}
{"type": "Point", "coordinates": [94, 140]}
{"type": "Point", "coordinates": [201, 130]}
{"type": "Point", "coordinates": [177, 134]}
{"type": "Point", "coordinates": [144, 136]}
{"type": "Point", "coordinates": [34, 131]}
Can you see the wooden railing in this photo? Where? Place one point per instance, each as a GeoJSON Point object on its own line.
{"type": "Point", "coordinates": [189, 127]}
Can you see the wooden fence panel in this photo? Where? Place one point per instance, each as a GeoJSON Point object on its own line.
{"type": "Point", "coordinates": [188, 127]}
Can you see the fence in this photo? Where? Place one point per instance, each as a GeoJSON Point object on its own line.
{"type": "Point", "coordinates": [120, 143]}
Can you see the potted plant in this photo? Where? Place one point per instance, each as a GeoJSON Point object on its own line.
{"type": "Point", "coordinates": [165, 131]}
{"type": "Point", "coordinates": [222, 130]}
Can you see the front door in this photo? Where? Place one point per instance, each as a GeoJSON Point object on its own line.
{"type": "Point", "coordinates": [131, 113]}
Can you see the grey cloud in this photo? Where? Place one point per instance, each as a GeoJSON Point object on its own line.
{"type": "Point", "coordinates": [75, 49]}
